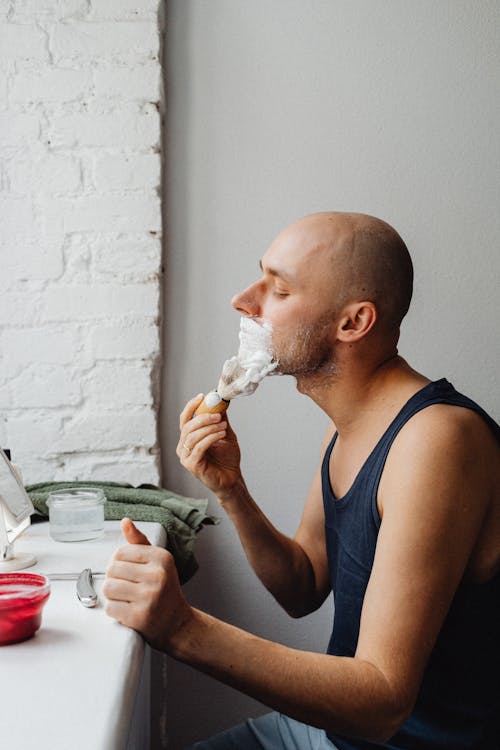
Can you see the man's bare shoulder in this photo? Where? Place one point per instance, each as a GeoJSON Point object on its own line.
{"type": "Point", "coordinates": [448, 427]}
{"type": "Point", "coordinates": [443, 438]}
{"type": "Point", "coordinates": [445, 461]}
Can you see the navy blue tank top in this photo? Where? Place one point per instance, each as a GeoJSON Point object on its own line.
{"type": "Point", "coordinates": [458, 706]}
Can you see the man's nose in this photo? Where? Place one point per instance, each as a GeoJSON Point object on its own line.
{"type": "Point", "coordinates": [246, 302]}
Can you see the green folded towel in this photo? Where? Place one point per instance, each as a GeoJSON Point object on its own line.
{"type": "Point", "coordinates": [182, 517]}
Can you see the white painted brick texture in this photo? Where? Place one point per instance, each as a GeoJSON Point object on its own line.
{"type": "Point", "coordinates": [80, 237]}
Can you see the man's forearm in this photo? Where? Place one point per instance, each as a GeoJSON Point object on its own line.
{"type": "Point", "coordinates": [344, 695]}
{"type": "Point", "coordinates": [279, 562]}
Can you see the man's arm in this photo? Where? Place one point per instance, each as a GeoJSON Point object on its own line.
{"type": "Point", "coordinates": [433, 501]}
{"type": "Point", "coordinates": [295, 571]}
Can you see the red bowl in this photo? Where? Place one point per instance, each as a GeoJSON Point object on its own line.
{"type": "Point", "coordinates": [22, 597]}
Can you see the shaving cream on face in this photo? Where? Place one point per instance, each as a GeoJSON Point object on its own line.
{"type": "Point", "coordinates": [242, 374]}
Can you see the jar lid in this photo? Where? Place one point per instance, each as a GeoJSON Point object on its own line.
{"type": "Point", "coordinates": [76, 496]}
{"type": "Point", "coordinates": [22, 586]}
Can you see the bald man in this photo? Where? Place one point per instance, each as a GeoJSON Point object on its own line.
{"type": "Point", "coordinates": [402, 521]}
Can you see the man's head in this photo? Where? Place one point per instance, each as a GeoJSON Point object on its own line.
{"type": "Point", "coordinates": [331, 281]}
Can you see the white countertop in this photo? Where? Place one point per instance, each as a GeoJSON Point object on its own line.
{"type": "Point", "coordinates": [74, 684]}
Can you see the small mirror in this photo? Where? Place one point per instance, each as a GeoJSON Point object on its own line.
{"type": "Point", "coordinates": [15, 511]}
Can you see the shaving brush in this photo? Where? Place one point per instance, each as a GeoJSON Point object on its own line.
{"type": "Point", "coordinates": [242, 373]}
{"type": "Point", "coordinates": [212, 404]}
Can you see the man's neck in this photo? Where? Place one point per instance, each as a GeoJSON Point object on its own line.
{"type": "Point", "coordinates": [355, 395]}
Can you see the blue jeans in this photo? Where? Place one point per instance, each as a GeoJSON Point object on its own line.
{"type": "Point", "coordinates": [270, 732]}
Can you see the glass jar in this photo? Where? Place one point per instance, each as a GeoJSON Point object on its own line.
{"type": "Point", "coordinates": [76, 514]}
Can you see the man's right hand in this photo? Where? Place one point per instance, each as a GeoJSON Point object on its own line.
{"type": "Point", "coordinates": [208, 448]}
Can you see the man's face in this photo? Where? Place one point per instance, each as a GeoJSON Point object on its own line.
{"type": "Point", "coordinates": [294, 294]}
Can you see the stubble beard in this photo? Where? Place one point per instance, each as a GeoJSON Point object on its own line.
{"type": "Point", "coordinates": [308, 353]}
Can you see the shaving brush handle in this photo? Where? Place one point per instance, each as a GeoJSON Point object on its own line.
{"type": "Point", "coordinates": [208, 406]}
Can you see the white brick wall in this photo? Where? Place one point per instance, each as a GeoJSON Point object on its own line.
{"type": "Point", "coordinates": [80, 237]}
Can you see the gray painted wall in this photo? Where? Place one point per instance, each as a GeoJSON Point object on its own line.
{"type": "Point", "coordinates": [277, 108]}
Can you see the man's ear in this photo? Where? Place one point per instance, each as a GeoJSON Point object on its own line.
{"type": "Point", "coordinates": [357, 319]}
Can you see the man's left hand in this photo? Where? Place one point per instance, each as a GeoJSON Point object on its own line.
{"type": "Point", "coordinates": [143, 591]}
